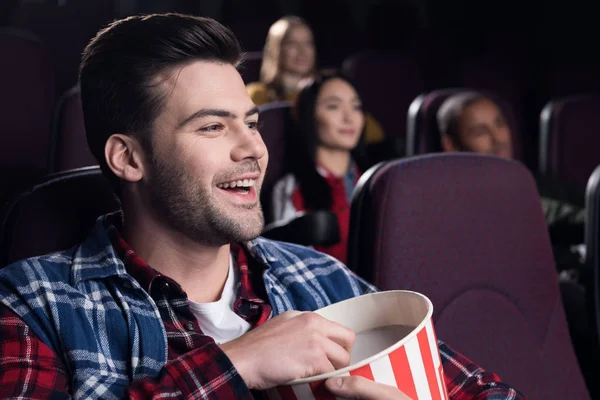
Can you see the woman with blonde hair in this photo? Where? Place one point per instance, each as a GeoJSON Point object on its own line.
{"type": "Point", "coordinates": [289, 63]}
{"type": "Point", "coordinates": [289, 57]}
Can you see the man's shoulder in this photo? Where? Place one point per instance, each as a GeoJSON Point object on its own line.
{"type": "Point", "coordinates": [302, 278]}
{"type": "Point", "coordinates": [94, 258]}
{"type": "Point", "coordinates": [56, 263]}
{"type": "Point", "coordinates": [300, 263]}
{"type": "Point", "coordinates": [284, 254]}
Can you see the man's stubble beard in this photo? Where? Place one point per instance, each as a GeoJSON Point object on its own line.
{"type": "Point", "coordinates": [192, 209]}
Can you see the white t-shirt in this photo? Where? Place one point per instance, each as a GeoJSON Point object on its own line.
{"type": "Point", "coordinates": [217, 319]}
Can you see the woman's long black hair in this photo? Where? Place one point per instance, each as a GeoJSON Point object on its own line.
{"type": "Point", "coordinates": [303, 145]}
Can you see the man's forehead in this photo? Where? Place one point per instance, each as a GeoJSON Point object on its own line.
{"type": "Point", "coordinates": [203, 84]}
{"type": "Point", "coordinates": [206, 75]}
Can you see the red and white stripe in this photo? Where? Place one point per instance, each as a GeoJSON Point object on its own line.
{"type": "Point", "coordinates": [414, 368]}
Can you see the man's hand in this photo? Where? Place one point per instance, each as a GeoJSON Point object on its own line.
{"type": "Point", "coordinates": [357, 387]}
{"type": "Point", "coordinates": [293, 345]}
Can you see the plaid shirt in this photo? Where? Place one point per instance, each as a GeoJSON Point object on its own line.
{"type": "Point", "coordinates": [195, 366]}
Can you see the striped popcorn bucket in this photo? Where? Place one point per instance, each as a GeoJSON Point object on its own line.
{"type": "Point", "coordinates": [395, 345]}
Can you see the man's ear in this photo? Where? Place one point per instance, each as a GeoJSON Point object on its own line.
{"type": "Point", "coordinates": [124, 157]}
{"type": "Point", "coordinates": [448, 144]}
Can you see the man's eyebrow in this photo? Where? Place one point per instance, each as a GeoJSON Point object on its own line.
{"type": "Point", "coordinates": [215, 112]}
{"type": "Point", "coordinates": [252, 111]}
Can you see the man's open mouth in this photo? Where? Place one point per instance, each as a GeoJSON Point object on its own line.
{"type": "Point", "coordinates": [239, 186]}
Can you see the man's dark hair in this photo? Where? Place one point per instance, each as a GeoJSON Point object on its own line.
{"type": "Point", "coordinates": [120, 65]}
{"type": "Point", "coordinates": [451, 109]}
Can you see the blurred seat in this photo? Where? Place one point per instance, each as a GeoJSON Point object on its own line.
{"type": "Point", "coordinates": [26, 99]}
{"type": "Point", "coordinates": [387, 83]}
{"type": "Point", "coordinates": [317, 228]}
{"type": "Point", "coordinates": [591, 275]}
{"type": "Point", "coordinates": [468, 231]}
{"type": "Point", "coordinates": [570, 138]}
{"type": "Point", "coordinates": [275, 124]}
{"type": "Point", "coordinates": [250, 69]}
{"type": "Point", "coordinates": [65, 27]}
{"type": "Point", "coordinates": [423, 134]}
{"type": "Point", "coordinates": [592, 241]}
{"type": "Point", "coordinates": [69, 144]}
{"type": "Point", "coordinates": [54, 214]}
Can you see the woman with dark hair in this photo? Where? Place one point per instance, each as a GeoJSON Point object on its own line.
{"type": "Point", "coordinates": [326, 154]}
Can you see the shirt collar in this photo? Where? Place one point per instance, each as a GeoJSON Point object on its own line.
{"type": "Point", "coordinates": [105, 253]}
{"type": "Point", "coordinates": [96, 258]}
{"type": "Point", "coordinates": [135, 266]}
{"type": "Point", "coordinates": [146, 276]}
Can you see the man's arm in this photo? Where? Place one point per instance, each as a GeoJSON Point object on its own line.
{"type": "Point", "coordinates": [29, 369]}
{"type": "Point", "coordinates": [466, 381]}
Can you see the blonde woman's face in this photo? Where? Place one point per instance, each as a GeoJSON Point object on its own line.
{"type": "Point", "coordinates": [298, 51]}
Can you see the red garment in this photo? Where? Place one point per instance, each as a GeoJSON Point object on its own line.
{"type": "Point", "coordinates": [339, 205]}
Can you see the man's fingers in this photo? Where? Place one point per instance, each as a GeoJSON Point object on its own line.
{"type": "Point", "coordinates": [337, 355]}
{"type": "Point", "coordinates": [340, 334]}
{"type": "Point", "coordinates": [357, 387]}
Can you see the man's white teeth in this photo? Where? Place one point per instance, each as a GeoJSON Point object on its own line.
{"type": "Point", "coordinates": [246, 183]}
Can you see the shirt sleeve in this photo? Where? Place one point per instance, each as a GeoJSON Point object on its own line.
{"type": "Point", "coordinates": [466, 381]}
{"type": "Point", "coordinates": [29, 369]}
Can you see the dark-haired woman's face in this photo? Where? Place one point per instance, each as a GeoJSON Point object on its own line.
{"type": "Point", "coordinates": [339, 116]}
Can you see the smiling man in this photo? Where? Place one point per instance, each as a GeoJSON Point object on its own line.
{"type": "Point", "coordinates": [175, 296]}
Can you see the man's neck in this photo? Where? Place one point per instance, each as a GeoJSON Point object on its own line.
{"type": "Point", "coordinates": [337, 162]}
{"type": "Point", "coordinates": [200, 270]}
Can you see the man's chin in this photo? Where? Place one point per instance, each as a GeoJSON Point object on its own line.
{"type": "Point", "coordinates": [250, 229]}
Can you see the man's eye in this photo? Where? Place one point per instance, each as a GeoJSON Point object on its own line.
{"type": "Point", "coordinates": [212, 128]}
